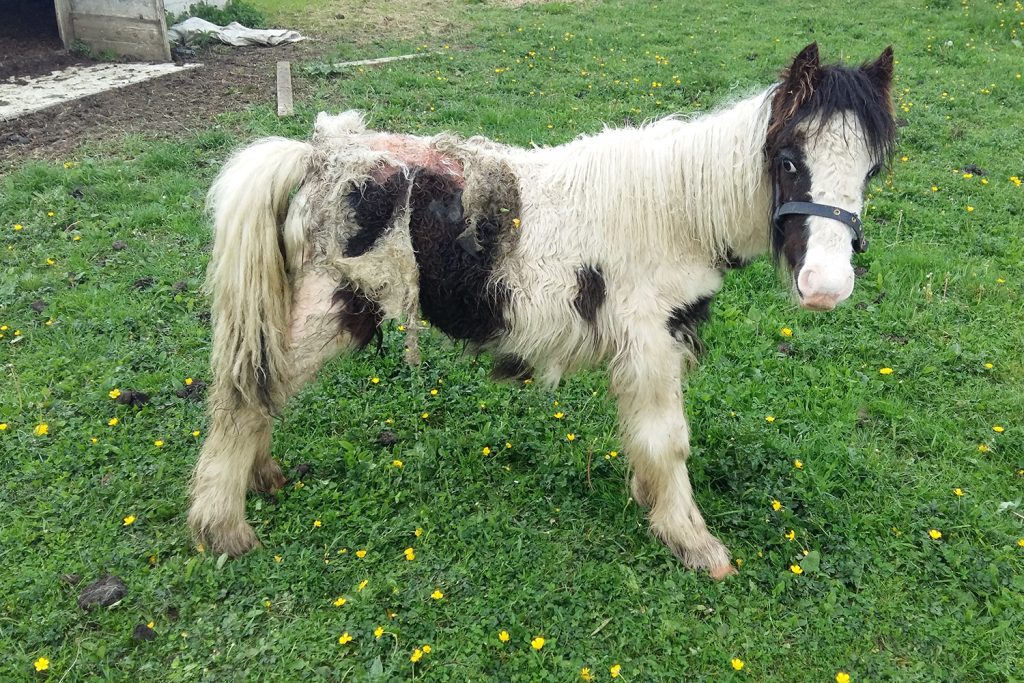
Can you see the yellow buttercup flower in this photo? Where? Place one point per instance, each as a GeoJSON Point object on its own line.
{"type": "Point", "coordinates": [842, 677]}
{"type": "Point", "coordinates": [796, 569]}
{"type": "Point", "coordinates": [615, 670]}
{"type": "Point", "coordinates": [537, 643]}
{"type": "Point", "coordinates": [114, 393]}
{"type": "Point", "coordinates": [503, 636]}
{"type": "Point", "coordinates": [437, 595]}
{"type": "Point", "coordinates": [345, 638]}
{"type": "Point", "coordinates": [885, 371]}
{"type": "Point", "coordinates": [935, 534]}
{"type": "Point", "coordinates": [737, 663]}
{"type": "Point", "coordinates": [41, 664]}
{"type": "Point", "coordinates": [128, 521]}
{"type": "Point", "coordinates": [42, 429]}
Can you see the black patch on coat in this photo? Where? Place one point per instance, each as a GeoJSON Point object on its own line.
{"type": "Point", "coordinates": [359, 316]}
{"type": "Point", "coordinates": [590, 292]}
{"type": "Point", "coordinates": [457, 293]}
{"type": "Point", "coordinates": [789, 234]}
{"type": "Point", "coordinates": [684, 323]}
{"type": "Point", "coordinates": [375, 205]}
{"type": "Point", "coordinates": [511, 367]}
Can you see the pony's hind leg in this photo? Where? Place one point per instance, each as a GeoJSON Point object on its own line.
{"type": "Point", "coordinates": [326, 319]}
{"type": "Point", "coordinates": [655, 436]}
{"type": "Point", "coordinates": [239, 435]}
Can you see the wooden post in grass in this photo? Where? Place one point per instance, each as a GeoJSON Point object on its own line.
{"type": "Point", "coordinates": [285, 107]}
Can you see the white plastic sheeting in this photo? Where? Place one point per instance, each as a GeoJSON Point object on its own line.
{"type": "Point", "coordinates": [233, 34]}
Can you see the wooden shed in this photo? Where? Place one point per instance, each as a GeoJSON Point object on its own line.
{"type": "Point", "coordinates": [131, 28]}
{"type": "Point", "coordinates": [134, 28]}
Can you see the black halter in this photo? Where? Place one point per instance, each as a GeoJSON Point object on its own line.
{"type": "Point", "coordinates": [852, 220]}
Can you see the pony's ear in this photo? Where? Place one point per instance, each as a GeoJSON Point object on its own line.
{"type": "Point", "coordinates": [880, 70]}
{"type": "Point", "coordinates": [803, 75]}
{"type": "Point", "coordinates": [799, 81]}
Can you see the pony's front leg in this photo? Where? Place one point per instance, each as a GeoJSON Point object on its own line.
{"type": "Point", "coordinates": [655, 436]}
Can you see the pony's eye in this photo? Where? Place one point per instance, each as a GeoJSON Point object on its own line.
{"type": "Point", "coordinates": [873, 172]}
{"type": "Point", "coordinates": [788, 166]}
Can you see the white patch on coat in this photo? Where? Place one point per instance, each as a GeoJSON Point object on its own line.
{"type": "Point", "coordinates": [838, 159]}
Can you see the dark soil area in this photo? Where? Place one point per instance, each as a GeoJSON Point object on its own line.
{"type": "Point", "coordinates": [230, 79]}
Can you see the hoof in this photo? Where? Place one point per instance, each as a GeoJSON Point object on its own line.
{"type": "Point", "coordinates": [708, 554]}
{"type": "Point", "coordinates": [235, 540]}
{"type": "Point", "coordinates": [720, 573]}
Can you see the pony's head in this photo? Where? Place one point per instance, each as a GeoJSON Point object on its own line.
{"type": "Point", "coordinates": [831, 130]}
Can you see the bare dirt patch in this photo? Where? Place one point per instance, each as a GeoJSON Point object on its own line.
{"type": "Point", "coordinates": [231, 79]}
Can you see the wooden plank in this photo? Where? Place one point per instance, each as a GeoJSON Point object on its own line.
{"type": "Point", "coordinates": [381, 60]}
{"type": "Point", "coordinates": [285, 106]}
{"type": "Point", "coordinates": [149, 10]}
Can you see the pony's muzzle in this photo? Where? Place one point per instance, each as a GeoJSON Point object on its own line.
{"type": "Point", "coordinates": [822, 289]}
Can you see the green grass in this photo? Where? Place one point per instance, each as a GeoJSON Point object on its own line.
{"type": "Point", "coordinates": [540, 538]}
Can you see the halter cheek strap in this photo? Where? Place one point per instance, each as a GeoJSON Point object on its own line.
{"type": "Point", "coordinates": [852, 220]}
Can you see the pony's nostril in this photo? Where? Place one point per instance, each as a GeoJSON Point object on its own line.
{"type": "Point", "coordinates": [808, 280]}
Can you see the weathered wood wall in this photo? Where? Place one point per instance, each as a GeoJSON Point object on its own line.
{"type": "Point", "coordinates": [134, 28]}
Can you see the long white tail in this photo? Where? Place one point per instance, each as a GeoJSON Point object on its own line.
{"type": "Point", "coordinates": [247, 276]}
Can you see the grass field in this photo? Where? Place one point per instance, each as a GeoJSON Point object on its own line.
{"type": "Point", "coordinates": [102, 258]}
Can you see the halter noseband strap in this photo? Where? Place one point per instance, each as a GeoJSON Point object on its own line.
{"type": "Point", "coordinates": [852, 220]}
